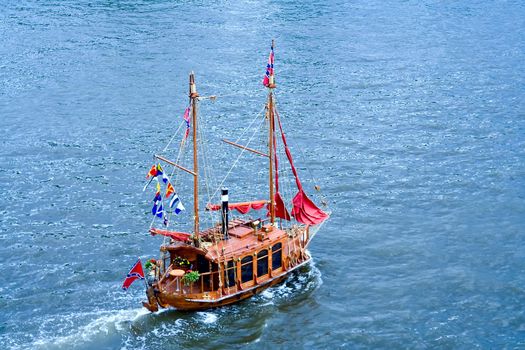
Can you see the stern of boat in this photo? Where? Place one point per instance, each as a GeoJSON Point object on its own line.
{"type": "Point", "coordinates": [152, 303]}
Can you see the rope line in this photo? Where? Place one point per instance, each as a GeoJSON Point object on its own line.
{"type": "Point", "coordinates": [243, 150]}
{"type": "Point", "coordinates": [319, 192]}
{"type": "Point", "coordinates": [175, 134]}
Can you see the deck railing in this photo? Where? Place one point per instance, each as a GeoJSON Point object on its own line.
{"type": "Point", "coordinates": [204, 284]}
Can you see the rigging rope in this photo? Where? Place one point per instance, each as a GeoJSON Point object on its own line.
{"type": "Point", "coordinates": [320, 193]}
{"type": "Point", "coordinates": [176, 132]}
{"type": "Point", "coordinates": [243, 150]}
{"type": "Point", "coordinates": [173, 179]}
{"type": "Point", "coordinates": [285, 179]}
{"type": "Point", "coordinates": [213, 216]}
{"type": "Point", "coordinates": [208, 178]}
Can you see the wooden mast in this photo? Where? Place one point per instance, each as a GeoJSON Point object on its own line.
{"type": "Point", "coordinates": [194, 96]}
{"type": "Point", "coordinates": [271, 86]}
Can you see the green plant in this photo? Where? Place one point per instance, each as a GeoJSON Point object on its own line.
{"type": "Point", "coordinates": [190, 277]}
{"type": "Point", "coordinates": [150, 264]}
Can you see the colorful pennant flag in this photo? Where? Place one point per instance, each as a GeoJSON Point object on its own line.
{"type": "Point", "coordinates": [269, 69]}
{"type": "Point", "coordinates": [157, 209]}
{"type": "Point", "coordinates": [154, 209]}
{"type": "Point", "coordinates": [169, 190]}
{"type": "Point", "coordinates": [165, 178]}
{"type": "Point", "coordinates": [160, 211]}
{"type": "Point", "coordinates": [160, 171]}
{"type": "Point", "coordinates": [135, 273]}
{"type": "Point", "coordinates": [156, 201]}
{"type": "Point", "coordinates": [187, 120]}
{"type": "Point", "coordinates": [175, 202]}
{"type": "Point", "coordinates": [152, 172]}
{"type": "Point", "coordinates": [157, 198]}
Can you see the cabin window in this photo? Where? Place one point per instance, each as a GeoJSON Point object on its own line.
{"type": "Point", "coordinates": [215, 276]}
{"type": "Point", "coordinates": [231, 273]}
{"type": "Point", "coordinates": [262, 263]}
{"type": "Point", "coordinates": [277, 260]}
{"type": "Point", "coordinates": [203, 264]}
{"type": "Point", "coordinates": [247, 269]}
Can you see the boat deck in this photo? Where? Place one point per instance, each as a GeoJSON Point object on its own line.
{"type": "Point", "coordinates": [177, 287]}
{"type": "Point", "coordinates": [243, 238]}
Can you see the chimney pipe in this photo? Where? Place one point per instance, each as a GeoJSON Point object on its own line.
{"type": "Point", "coordinates": [224, 212]}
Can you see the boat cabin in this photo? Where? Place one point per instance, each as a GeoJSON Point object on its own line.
{"type": "Point", "coordinates": [251, 255]}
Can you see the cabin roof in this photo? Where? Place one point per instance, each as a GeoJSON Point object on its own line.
{"type": "Point", "coordinates": [244, 237]}
{"type": "Point", "coordinates": [243, 240]}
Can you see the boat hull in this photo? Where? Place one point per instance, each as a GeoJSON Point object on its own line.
{"type": "Point", "coordinates": [187, 303]}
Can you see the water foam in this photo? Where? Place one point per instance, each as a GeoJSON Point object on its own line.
{"type": "Point", "coordinates": [208, 317]}
{"type": "Point", "coordinates": [107, 323]}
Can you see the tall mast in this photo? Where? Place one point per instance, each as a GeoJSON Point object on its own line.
{"type": "Point", "coordinates": [271, 86]}
{"type": "Point", "coordinates": [194, 97]}
{"type": "Point", "coordinates": [271, 156]}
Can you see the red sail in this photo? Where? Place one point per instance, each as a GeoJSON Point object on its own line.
{"type": "Point", "coordinates": [304, 210]}
{"type": "Point", "coordinates": [242, 208]}
{"type": "Point", "coordinates": [178, 236]}
{"type": "Point", "coordinates": [280, 210]}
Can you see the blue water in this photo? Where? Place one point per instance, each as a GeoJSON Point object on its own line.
{"type": "Point", "coordinates": [410, 115]}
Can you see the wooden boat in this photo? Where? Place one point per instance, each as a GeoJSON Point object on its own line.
{"type": "Point", "coordinates": [237, 257]}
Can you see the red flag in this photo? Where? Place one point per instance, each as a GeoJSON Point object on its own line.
{"type": "Point", "coordinates": [135, 273]}
{"type": "Point", "coordinates": [187, 120]}
{"type": "Point", "coordinates": [152, 172]}
{"type": "Point", "coordinates": [169, 190]}
{"type": "Point", "coordinates": [269, 69]}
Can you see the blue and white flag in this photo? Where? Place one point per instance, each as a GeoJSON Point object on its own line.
{"type": "Point", "coordinates": [156, 201]}
{"type": "Point", "coordinates": [154, 209]}
{"type": "Point", "coordinates": [160, 211]}
{"type": "Point", "coordinates": [165, 178]}
{"type": "Point", "coordinates": [175, 202]}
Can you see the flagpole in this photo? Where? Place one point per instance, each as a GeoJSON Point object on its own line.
{"type": "Point", "coordinates": [194, 96]}
{"type": "Point", "coordinates": [271, 86]}
{"type": "Point", "coordinates": [145, 281]}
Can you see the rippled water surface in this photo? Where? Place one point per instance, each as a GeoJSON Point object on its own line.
{"type": "Point", "coordinates": [410, 115]}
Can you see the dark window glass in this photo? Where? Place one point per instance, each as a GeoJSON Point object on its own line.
{"type": "Point", "coordinates": [231, 273]}
{"type": "Point", "coordinates": [215, 276]}
{"type": "Point", "coordinates": [277, 260]}
{"type": "Point", "coordinates": [262, 263]}
{"type": "Point", "coordinates": [203, 265]}
{"type": "Point", "coordinates": [247, 269]}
